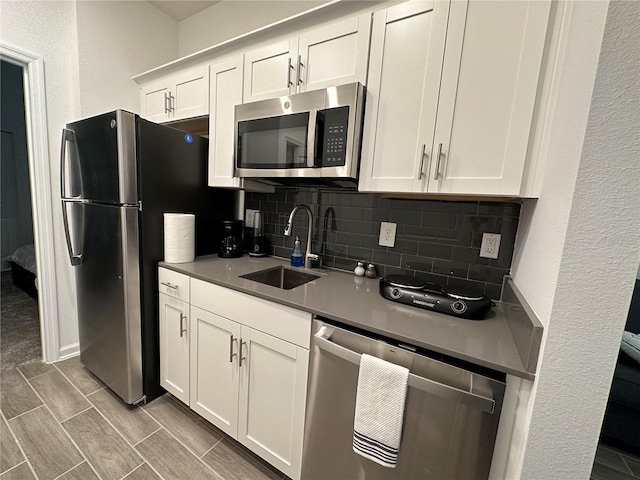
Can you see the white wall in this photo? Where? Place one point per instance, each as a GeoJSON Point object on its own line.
{"type": "Point", "coordinates": [118, 40]}
{"type": "Point", "coordinates": [228, 19]}
{"type": "Point", "coordinates": [48, 29]}
{"type": "Point", "coordinates": [580, 237]}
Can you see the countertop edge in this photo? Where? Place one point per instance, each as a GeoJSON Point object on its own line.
{"type": "Point", "coordinates": [521, 371]}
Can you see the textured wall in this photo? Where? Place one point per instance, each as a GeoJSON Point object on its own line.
{"type": "Point", "coordinates": [48, 29]}
{"type": "Point", "coordinates": [117, 40]}
{"type": "Point", "coordinates": [111, 49]}
{"type": "Point", "coordinates": [582, 237]}
{"type": "Point", "coordinates": [435, 240]}
{"type": "Point", "coordinates": [226, 20]}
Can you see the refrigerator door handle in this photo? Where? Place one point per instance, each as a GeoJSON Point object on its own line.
{"type": "Point", "coordinates": [76, 258]}
{"type": "Point", "coordinates": [68, 136]}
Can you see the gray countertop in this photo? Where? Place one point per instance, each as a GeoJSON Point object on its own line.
{"type": "Point", "coordinates": [355, 301]}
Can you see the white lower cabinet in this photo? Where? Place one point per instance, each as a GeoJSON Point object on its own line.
{"type": "Point", "coordinates": [174, 347]}
{"type": "Point", "coordinates": [246, 367]}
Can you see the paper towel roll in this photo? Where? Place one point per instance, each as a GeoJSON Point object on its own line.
{"type": "Point", "coordinates": [179, 237]}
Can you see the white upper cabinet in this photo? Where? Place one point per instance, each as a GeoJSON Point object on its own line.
{"type": "Point", "coordinates": [225, 92]}
{"type": "Point", "coordinates": [469, 132]}
{"type": "Point", "coordinates": [328, 56]}
{"type": "Point", "coordinates": [405, 64]}
{"type": "Point", "coordinates": [334, 55]}
{"type": "Point", "coordinates": [182, 95]}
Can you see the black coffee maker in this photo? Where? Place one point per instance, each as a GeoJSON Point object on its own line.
{"type": "Point", "coordinates": [231, 243]}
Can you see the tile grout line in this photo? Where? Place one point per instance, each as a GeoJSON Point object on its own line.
{"type": "Point", "coordinates": [15, 439]}
{"type": "Point", "coordinates": [160, 427]}
{"type": "Point", "coordinates": [214, 446]}
{"type": "Point", "coordinates": [64, 473]}
{"type": "Point", "coordinates": [24, 413]}
{"type": "Point", "coordinates": [14, 467]}
{"type": "Point", "coordinates": [86, 397]}
{"type": "Point", "coordinates": [35, 376]}
{"type": "Point", "coordinates": [145, 462]}
{"type": "Point", "coordinates": [74, 385]}
{"type": "Point", "coordinates": [63, 429]}
{"type": "Point", "coordinates": [75, 414]}
{"type": "Point", "coordinates": [188, 449]}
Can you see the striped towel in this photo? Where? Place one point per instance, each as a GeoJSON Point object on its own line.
{"type": "Point", "coordinates": [377, 429]}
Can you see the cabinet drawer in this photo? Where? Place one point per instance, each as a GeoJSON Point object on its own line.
{"type": "Point", "coordinates": [269, 317]}
{"type": "Point", "coordinates": [173, 284]}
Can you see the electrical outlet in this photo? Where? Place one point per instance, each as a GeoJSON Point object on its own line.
{"type": "Point", "coordinates": [387, 234]}
{"type": "Point", "coordinates": [490, 245]}
{"type": "Point", "coordinates": [248, 218]}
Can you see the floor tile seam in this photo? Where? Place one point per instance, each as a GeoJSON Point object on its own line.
{"type": "Point", "coordinates": [73, 384]}
{"type": "Point", "coordinates": [93, 405]}
{"type": "Point", "coordinates": [188, 449]}
{"type": "Point", "coordinates": [124, 477]}
{"type": "Point", "coordinates": [14, 467]}
{"type": "Point", "coordinates": [75, 414]}
{"type": "Point", "coordinates": [65, 432]}
{"type": "Point", "coordinates": [35, 376]}
{"type": "Point", "coordinates": [114, 428]}
{"type": "Point", "coordinates": [214, 446]}
{"type": "Point", "coordinates": [147, 460]}
{"type": "Point", "coordinates": [64, 473]}
{"type": "Point", "coordinates": [138, 443]}
{"type": "Point", "coordinates": [195, 454]}
{"type": "Point", "coordinates": [624, 459]}
{"type": "Point", "coordinates": [23, 413]}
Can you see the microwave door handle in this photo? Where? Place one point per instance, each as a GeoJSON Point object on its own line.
{"type": "Point", "coordinates": [311, 139]}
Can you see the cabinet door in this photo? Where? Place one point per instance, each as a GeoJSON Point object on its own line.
{"type": "Point", "coordinates": [191, 93]}
{"type": "Point", "coordinates": [334, 55]}
{"type": "Point", "coordinates": [489, 84]}
{"type": "Point", "coordinates": [270, 71]}
{"type": "Point", "coordinates": [174, 347]}
{"type": "Point", "coordinates": [225, 92]}
{"type": "Point", "coordinates": [154, 102]}
{"type": "Point", "coordinates": [273, 384]}
{"type": "Point", "coordinates": [407, 45]}
{"type": "Point", "coordinates": [214, 369]}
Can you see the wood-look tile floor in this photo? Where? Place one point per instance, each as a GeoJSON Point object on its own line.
{"type": "Point", "coordinates": [613, 464]}
{"type": "Point", "coordinates": [60, 423]}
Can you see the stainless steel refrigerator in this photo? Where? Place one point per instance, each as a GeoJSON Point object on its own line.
{"type": "Point", "coordinates": [119, 174]}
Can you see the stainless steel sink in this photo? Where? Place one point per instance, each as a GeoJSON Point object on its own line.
{"type": "Point", "coordinates": [281, 277]}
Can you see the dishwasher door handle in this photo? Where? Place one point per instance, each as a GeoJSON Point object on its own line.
{"type": "Point", "coordinates": [484, 404]}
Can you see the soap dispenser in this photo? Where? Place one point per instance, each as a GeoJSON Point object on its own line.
{"type": "Point", "coordinates": [297, 257]}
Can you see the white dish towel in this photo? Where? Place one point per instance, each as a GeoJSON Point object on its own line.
{"type": "Point", "coordinates": [380, 399]}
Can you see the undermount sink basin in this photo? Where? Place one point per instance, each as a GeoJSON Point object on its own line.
{"type": "Point", "coordinates": [281, 277]}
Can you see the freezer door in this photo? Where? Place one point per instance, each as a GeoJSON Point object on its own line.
{"type": "Point", "coordinates": [98, 159]}
{"type": "Point", "coordinates": [108, 293]}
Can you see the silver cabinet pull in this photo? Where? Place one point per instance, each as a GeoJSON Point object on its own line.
{"type": "Point", "coordinates": [171, 103]}
{"type": "Point", "coordinates": [300, 65]}
{"type": "Point", "coordinates": [183, 330]}
{"type": "Point", "coordinates": [231, 354]}
{"type": "Point", "coordinates": [241, 357]}
{"type": "Point", "coordinates": [435, 177]}
{"type": "Point", "coordinates": [289, 67]}
{"type": "Point", "coordinates": [166, 103]}
{"type": "Point", "coordinates": [322, 340]}
{"type": "Point", "coordinates": [169, 285]}
{"type": "Point", "coordinates": [421, 163]}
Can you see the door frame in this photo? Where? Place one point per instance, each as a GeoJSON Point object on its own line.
{"type": "Point", "coordinates": [41, 199]}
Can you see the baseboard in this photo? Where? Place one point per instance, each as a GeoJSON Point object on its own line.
{"type": "Point", "coordinates": [69, 351]}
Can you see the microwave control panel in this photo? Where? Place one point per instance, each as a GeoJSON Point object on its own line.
{"type": "Point", "coordinates": [331, 137]}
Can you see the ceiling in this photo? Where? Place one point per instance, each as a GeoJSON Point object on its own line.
{"type": "Point", "coordinates": [181, 9]}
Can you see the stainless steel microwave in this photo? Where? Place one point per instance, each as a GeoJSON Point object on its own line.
{"type": "Point", "coordinates": [311, 135]}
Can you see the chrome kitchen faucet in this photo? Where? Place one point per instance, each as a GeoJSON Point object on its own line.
{"type": "Point", "coordinates": [308, 257]}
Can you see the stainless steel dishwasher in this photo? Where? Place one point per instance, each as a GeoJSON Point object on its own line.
{"type": "Point", "coordinates": [451, 411]}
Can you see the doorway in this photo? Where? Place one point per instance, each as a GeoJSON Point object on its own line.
{"type": "Point", "coordinates": [20, 326]}
{"type": "Point", "coordinates": [39, 168]}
